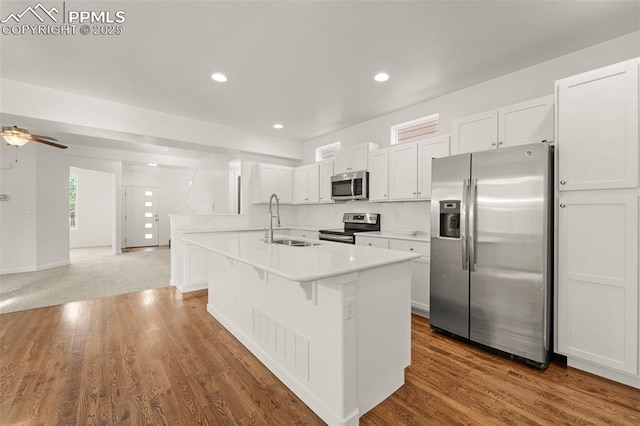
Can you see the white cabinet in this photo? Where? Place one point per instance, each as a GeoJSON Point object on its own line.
{"type": "Point", "coordinates": [420, 268]}
{"type": "Point", "coordinates": [410, 168]}
{"type": "Point", "coordinates": [303, 233]}
{"type": "Point", "coordinates": [326, 171]}
{"type": "Point", "coordinates": [379, 175]}
{"type": "Point", "coordinates": [306, 184]}
{"type": "Point", "coordinates": [372, 242]}
{"type": "Point", "coordinates": [518, 124]}
{"type": "Point", "coordinates": [270, 179]}
{"type": "Point", "coordinates": [598, 129]}
{"type": "Point", "coordinates": [598, 280]}
{"type": "Point", "coordinates": [597, 230]}
{"type": "Point", "coordinates": [354, 158]}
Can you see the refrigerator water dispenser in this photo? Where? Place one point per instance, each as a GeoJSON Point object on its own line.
{"type": "Point", "coordinates": [450, 219]}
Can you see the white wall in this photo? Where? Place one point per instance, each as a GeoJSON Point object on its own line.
{"type": "Point", "coordinates": [113, 167]}
{"type": "Point", "coordinates": [95, 209]}
{"type": "Point", "coordinates": [34, 221]}
{"type": "Point", "coordinates": [528, 83]}
{"type": "Point", "coordinates": [173, 188]}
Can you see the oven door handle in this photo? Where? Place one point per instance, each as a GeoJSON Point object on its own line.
{"type": "Point", "coordinates": [334, 237]}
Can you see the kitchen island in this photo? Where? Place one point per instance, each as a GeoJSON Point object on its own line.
{"type": "Point", "coordinates": [332, 321]}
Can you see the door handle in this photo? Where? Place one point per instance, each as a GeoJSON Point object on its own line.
{"type": "Point", "coordinates": [463, 225]}
{"type": "Point", "coordinates": [352, 190]}
{"type": "Point", "coordinates": [473, 190]}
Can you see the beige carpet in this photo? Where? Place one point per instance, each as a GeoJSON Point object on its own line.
{"type": "Point", "coordinates": [93, 273]}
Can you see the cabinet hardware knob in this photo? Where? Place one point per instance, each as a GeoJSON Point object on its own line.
{"type": "Point", "coordinates": [418, 192]}
{"type": "Point", "coordinates": [369, 243]}
{"type": "Point", "coordinates": [562, 182]}
{"type": "Point", "coordinates": [493, 144]}
{"type": "Point", "coordinates": [384, 195]}
{"type": "Point", "coordinates": [414, 193]}
{"type": "Point", "coordinates": [499, 142]}
{"type": "Point", "coordinates": [411, 249]}
{"type": "Point", "coordinates": [563, 205]}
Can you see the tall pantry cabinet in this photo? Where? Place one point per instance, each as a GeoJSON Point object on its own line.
{"type": "Point", "coordinates": [597, 221]}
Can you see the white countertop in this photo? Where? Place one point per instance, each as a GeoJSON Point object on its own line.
{"type": "Point", "coordinates": [311, 263]}
{"type": "Point", "coordinates": [420, 236]}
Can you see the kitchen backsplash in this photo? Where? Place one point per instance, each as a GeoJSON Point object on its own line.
{"type": "Point", "coordinates": [414, 215]}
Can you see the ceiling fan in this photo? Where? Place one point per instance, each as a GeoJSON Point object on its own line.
{"type": "Point", "coordinates": [15, 136]}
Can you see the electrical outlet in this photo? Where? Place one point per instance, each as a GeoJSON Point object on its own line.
{"type": "Point", "coordinates": [349, 308]}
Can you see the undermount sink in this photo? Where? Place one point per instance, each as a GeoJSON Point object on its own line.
{"type": "Point", "coordinates": [294, 243]}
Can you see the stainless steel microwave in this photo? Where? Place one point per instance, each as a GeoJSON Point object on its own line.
{"type": "Point", "coordinates": [350, 186]}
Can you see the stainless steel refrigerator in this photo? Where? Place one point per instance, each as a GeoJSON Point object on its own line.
{"type": "Point", "coordinates": [492, 249]}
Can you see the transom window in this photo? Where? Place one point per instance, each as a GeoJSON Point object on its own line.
{"type": "Point", "coordinates": [327, 151]}
{"type": "Point", "coordinates": [415, 130]}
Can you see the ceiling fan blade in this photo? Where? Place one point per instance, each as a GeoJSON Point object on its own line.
{"type": "Point", "coordinates": [45, 137]}
{"type": "Point", "coordinates": [37, 139]}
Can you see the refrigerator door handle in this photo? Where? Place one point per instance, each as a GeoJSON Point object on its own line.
{"type": "Point", "coordinates": [472, 224]}
{"type": "Point", "coordinates": [463, 225]}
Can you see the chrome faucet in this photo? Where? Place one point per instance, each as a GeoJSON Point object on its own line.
{"type": "Point", "coordinates": [270, 235]}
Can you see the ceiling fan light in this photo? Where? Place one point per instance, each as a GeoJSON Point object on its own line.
{"type": "Point", "coordinates": [15, 140]}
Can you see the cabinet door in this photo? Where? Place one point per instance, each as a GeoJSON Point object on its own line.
{"type": "Point", "coordinates": [326, 171]}
{"type": "Point", "coordinates": [379, 175]}
{"type": "Point", "coordinates": [427, 151]}
{"type": "Point", "coordinates": [598, 129]}
{"type": "Point", "coordinates": [284, 184]}
{"type": "Point", "coordinates": [359, 158]}
{"type": "Point", "coordinates": [598, 280]}
{"type": "Point", "coordinates": [342, 162]}
{"type": "Point", "coordinates": [313, 182]}
{"type": "Point", "coordinates": [478, 132]}
{"type": "Point", "coordinates": [299, 185]}
{"type": "Point", "coordinates": [526, 122]}
{"type": "Point", "coordinates": [372, 242]}
{"type": "Point", "coordinates": [267, 184]}
{"type": "Point", "coordinates": [403, 172]}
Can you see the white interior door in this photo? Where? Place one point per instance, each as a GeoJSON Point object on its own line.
{"type": "Point", "coordinates": [141, 217]}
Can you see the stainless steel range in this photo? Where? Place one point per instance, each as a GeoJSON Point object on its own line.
{"type": "Point", "coordinates": [353, 222]}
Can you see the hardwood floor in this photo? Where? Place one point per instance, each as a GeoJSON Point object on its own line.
{"type": "Point", "coordinates": [157, 357]}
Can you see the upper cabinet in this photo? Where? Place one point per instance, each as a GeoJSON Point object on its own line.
{"type": "Point", "coordinates": [306, 184]}
{"type": "Point", "coordinates": [519, 124]}
{"type": "Point", "coordinates": [597, 132]}
{"type": "Point", "coordinates": [354, 158]}
{"type": "Point", "coordinates": [270, 179]}
{"type": "Point", "coordinates": [326, 171]}
{"type": "Point", "coordinates": [410, 168]}
{"type": "Point", "coordinates": [379, 175]}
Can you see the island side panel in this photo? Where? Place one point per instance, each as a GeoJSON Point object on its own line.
{"type": "Point", "coordinates": [300, 335]}
{"type": "Point", "coordinates": [383, 313]}
{"type": "Point", "coordinates": [340, 366]}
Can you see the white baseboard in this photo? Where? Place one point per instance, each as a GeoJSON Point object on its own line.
{"type": "Point", "coordinates": [605, 372]}
{"type": "Point", "coordinates": [193, 286]}
{"type": "Point", "coordinates": [420, 309]}
{"type": "Point", "coordinates": [34, 268]}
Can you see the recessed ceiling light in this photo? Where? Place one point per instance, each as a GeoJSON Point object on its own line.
{"type": "Point", "coordinates": [278, 126]}
{"type": "Point", "coordinates": [152, 164]}
{"type": "Point", "coordinates": [219, 77]}
{"type": "Point", "coordinates": [381, 77]}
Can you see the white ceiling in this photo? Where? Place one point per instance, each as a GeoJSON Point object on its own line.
{"type": "Point", "coordinates": [308, 65]}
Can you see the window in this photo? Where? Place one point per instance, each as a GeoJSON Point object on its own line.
{"type": "Point", "coordinates": [73, 200]}
{"type": "Point", "coordinates": [415, 130]}
{"type": "Point", "coordinates": [327, 151]}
